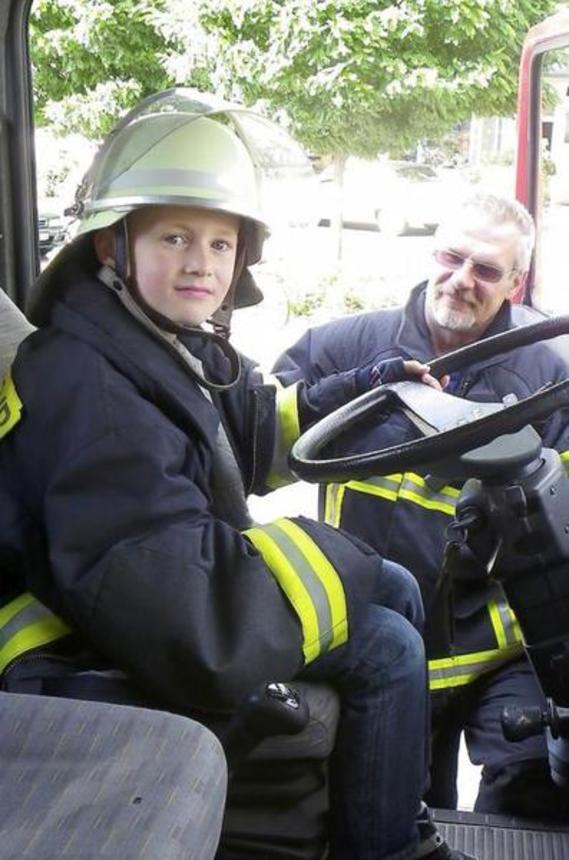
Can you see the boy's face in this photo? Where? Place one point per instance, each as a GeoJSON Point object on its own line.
{"type": "Point", "coordinates": [183, 259]}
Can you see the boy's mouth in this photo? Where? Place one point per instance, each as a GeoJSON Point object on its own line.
{"type": "Point", "coordinates": [195, 290]}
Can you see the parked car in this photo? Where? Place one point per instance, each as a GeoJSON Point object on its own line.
{"type": "Point", "coordinates": [395, 197]}
{"type": "Point", "coordinates": [52, 224]}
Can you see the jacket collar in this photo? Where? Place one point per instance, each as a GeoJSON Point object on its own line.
{"type": "Point", "coordinates": [91, 313]}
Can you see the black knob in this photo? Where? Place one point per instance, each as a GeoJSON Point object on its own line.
{"type": "Point", "coordinates": [272, 709]}
{"type": "Point", "coordinates": [521, 723]}
{"type": "Point", "coordinates": [276, 709]}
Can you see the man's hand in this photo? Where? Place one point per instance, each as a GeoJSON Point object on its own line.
{"type": "Point", "coordinates": [416, 368]}
{"type": "Point", "coordinates": [396, 370]}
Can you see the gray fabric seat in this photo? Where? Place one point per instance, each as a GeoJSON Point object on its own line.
{"type": "Point", "coordinates": [14, 327]}
{"type": "Point", "coordinates": [90, 780]}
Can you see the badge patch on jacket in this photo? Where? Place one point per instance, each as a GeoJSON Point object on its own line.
{"type": "Point", "coordinates": [10, 405]}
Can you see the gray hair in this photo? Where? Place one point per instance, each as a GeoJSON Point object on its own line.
{"type": "Point", "coordinates": [506, 210]}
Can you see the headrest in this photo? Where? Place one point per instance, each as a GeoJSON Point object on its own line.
{"type": "Point", "coordinates": [14, 327]}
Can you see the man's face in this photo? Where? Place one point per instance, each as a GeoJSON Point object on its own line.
{"type": "Point", "coordinates": [474, 271]}
{"type": "Point", "coordinates": [183, 259]}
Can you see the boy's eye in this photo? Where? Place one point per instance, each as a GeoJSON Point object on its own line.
{"type": "Point", "coordinates": [175, 239]}
{"type": "Point", "coordinates": [221, 245]}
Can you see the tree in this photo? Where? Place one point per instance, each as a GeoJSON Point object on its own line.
{"type": "Point", "coordinates": [356, 77]}
{"type": "Point", "coordinates": [349, 77]}
{"type": "Point", "coordinates": [93, 60]}
{"type": "Point", "coordinates": [360, 77]}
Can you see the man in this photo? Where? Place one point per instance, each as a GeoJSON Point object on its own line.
{"type": "Point", "coordinates": [481, 259]}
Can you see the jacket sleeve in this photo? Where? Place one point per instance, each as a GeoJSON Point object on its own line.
{"type": "Point", "coordinates": [306, 359]}
{"type": "Point", "coordinates": [283, 412]}
{"type": "Point", "coordinates": [313, 379]}
{"type": "Point", "coordinates": [196, 611]}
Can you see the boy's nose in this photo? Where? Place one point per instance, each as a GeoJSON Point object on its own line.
{"type": "Point", "coordinates": [197, 261]}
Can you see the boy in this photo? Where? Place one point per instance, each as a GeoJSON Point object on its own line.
{"type": "Point", "coordinates": [135, 434]}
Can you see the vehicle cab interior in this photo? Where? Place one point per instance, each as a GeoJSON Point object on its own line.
{"type": "Point", "coordinates": [88, 780]}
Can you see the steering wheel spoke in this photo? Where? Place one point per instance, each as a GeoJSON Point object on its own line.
{"type": "Point", "coordinates": [436, 411]}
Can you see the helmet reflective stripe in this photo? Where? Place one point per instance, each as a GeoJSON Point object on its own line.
{"type": "Point", "coordinates": [26, 624]}
{"type": "Point", "coordinates": [177, 178]}
{"type": "Point", "coordinates": [182, 159]}
{"type": "Point", "coordinates": [309, 581]}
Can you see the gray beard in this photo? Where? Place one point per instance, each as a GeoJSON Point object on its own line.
{"type": "Point", "coordinates": [453, 320]}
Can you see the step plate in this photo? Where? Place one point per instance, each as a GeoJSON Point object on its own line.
{"type": "Point", "coordinates": [497, 837]}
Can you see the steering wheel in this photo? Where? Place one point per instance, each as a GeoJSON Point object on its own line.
{"type": "Point", "coordinates": [449, 425]}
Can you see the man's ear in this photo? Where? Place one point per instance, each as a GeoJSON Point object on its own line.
{"type": "Point", "coordinates": [518, 285]}
{"type": "Point", "coordinates": [104, 241]}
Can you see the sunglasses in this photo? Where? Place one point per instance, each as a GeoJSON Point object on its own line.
{"type": "Point", "coordinates": [481, 271]}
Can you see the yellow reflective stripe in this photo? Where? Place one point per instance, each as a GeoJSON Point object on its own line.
{"type": "Point", "coordinates": [327, 575]}
{"type": "Point", "coordinates": [310, 582]}
{"type": "Point", "coordinates": [333, 504]}
{"type": "Point", "coordinates": [287, 431]}
{"type": "Point", "coordinates": [386, 487]}
{"type": "Point", "coordinates": [516, 629]}
{"type": "Point", "coordinates": [410, 487]}
{"type": "Point", "coordinates": [505, 623]}
{"type": "Point", "coordinates": [565, 460]}
{"type": "Point", "coordinates": [293, 588]}
{"type": "Point", "coordinates": [14, 607]}
{"type": "Point", "coordinates": [499, 631]}
{"type": "Point", "coordinates": [415, 489]}
{"type": "Point", "coordinates": [26, 624]}
{"type": "Point", "coordinates": [10, 405]}
{"type": "Point", "coordinates": [287, 411]}
{"type": "Point", "coordinates": [462, 669]}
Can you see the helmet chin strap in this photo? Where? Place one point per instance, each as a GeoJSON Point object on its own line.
{"type": "Point", "coordinates": [121, 268]}
{"type": "Point", "coordinates": [121, 250]}
{"type": "Point", "coordinates": [228, 491]}
{"type": "Point", "coordinates": [127, 290]}
{"type": "Point", "coordinates": [221, 319]}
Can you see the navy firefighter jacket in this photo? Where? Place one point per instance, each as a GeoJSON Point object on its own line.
{"type": "Point", "coordinates": [108, 524]}
{"type": "Point", "coordinates": [405, 516]}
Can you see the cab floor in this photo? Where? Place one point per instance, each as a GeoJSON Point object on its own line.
{"type": "Point", "coordinates": [497, 837]}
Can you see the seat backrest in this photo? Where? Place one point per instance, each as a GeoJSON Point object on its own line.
{"type": "Point", "coordinates": [14, 327]}
{"type": "Point", "coordinates": [111, 780]}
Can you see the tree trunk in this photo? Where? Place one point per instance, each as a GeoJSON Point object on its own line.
{"type": "Point", "coordinates": [336, 220]}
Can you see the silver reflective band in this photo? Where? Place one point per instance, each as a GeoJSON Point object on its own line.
{"type": "Point", "coordinates": [465, 668]}
{"type": "Point", "coordinates": [171, 176]}
{"type": "Point", "coordinates": [26, 624]}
